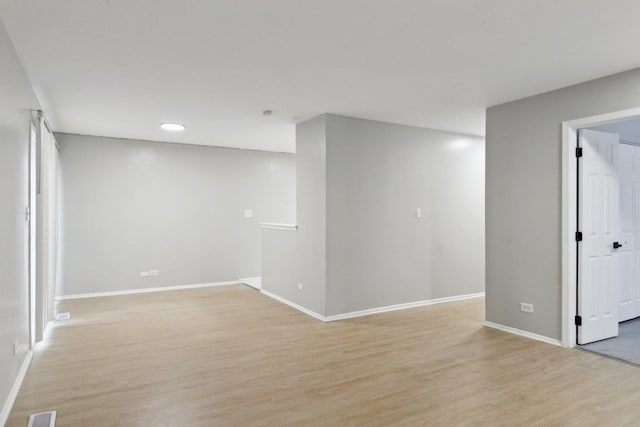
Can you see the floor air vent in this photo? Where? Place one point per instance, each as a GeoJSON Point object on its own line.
{"type": "Point", "coordinates": [43, 419]}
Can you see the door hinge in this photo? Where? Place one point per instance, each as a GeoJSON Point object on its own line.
{"type": "Point", "coordinates": [578, 320]}
{"type": "Point", "coordinates": [578, 236]}
{"type": "Point", "coordinates": [579, 152]}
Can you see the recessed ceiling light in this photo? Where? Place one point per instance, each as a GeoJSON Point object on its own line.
{"type": "Point", "coordinates": [173, 127]}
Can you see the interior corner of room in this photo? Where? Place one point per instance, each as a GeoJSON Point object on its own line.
{"type": "Point", "coordinates": [365, 217]}
{"type": "Point", "coordinates": [155, 159]}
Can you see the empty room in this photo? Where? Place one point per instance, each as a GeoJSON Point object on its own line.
{"type": "Point", "coordinates": [319, 213]}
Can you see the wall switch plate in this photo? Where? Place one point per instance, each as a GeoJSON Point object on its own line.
{"type": "Point", "coordinates": [153, 272]}
{"type": "Point", "coordinates": [248, 213]}
{"type": "Point", "coordinates": [418, 213]}
{"type": "Point", "coordinates": [144, 274]}
{"type": "Point", "coordinates": [300, 286]}
{"type": "Point", "coordinates": [15, 347]}
{"type": "Point", "coordinates": [526, 307]}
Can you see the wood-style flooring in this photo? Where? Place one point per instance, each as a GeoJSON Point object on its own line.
{"type": "Point", "coordinates": [230, 356]}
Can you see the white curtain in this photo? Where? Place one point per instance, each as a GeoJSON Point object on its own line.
{"type": "Point", "coordinates": [48, 230]}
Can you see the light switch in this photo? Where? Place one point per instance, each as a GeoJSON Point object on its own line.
{"type": "Point", "coordinates": [418, 213]}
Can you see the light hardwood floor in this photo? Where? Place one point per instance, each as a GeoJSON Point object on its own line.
{"type": "Point", "coordinates": [229, 356]}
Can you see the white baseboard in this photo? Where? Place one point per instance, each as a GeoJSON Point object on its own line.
{"type": "Point", "coordinates": [145, 290]}
{"type": "Point", "coordinates": [254, 282]}
{"type": "Point", "coordinates": [13, 393]}
{"type": "Point", "coordinates": [370, 311]}
{"type": "Point", "coordinates": [403, 306]}
{"type": "Point", "coordinates": [294, 305]}
{"type": "Point", "coordinates": [278, 226]}
{"type": "Point", "coordinates": [522, 333]}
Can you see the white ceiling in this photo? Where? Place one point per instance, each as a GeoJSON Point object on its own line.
{"type": "Point", "coordinates": [121, 67]}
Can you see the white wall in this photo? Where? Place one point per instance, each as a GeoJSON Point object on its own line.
{"type": "Point", "coordinates": [132, 206]}
{"type": "Point", "coordinates": [16, 100]}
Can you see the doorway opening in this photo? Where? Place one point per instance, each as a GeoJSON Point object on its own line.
{"type": "Point", "coordinates": [601, 225]}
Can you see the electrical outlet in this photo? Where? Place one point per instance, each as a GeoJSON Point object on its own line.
{"type": "Point", "coordinates": [144, 274]}
{"type": "Point", "coordinates": [153, 272]}
{"type": "Point", "coordinates": [526, 307]}
{"type": "Point", "coordinates": [248, 213]}
{"type": "Point", "coordinates": [300, 287]}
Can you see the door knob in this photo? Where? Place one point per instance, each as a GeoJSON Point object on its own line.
{"type": "Point", "coordinates": [616, 245]}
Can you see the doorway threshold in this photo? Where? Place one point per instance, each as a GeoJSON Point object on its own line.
{"type": "Point", "coordinates": [625, 347]}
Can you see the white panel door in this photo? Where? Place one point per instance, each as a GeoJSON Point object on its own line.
{"type": "Point", "coordinates": [598, 300]}
{"type": "Point", "coordinates": [627, 252]}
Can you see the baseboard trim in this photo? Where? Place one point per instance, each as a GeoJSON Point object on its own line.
{"type": "Point", "coordinates": [403, 306]}
{"type": "Point", "coordinates": [146, 290]}
{"type": "Point", "coordinates": [294, 305]}
{"type": "Point", "coordinates": [254, 282]}
{"type": "Point", "coordinates": [278, 226]}
{"type": "Point", "coordinates": [370, 311]}
{"type": "Point", "coordinates": [522, 333]}
{"type": "Point", "coordinates": [13, 393]}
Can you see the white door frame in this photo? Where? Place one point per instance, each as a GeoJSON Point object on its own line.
{"type": "Point", "coordinates": [570, 211]}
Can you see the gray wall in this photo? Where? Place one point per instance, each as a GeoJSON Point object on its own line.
{"type": "Point", "coordinates": [359, 244]}
{"type": "Point", "coordinates": [16, 100]}
{"type": "Point", "coordinates": [132, 206]}
{"type": "Point", "coordinates": [293, 257]}
{"type": "Point", "coordinates": [379, 253]}
{"type": "Point", "coordinates": [524, 197]}
{"type": "Point", "coordinates": [311, 213]}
